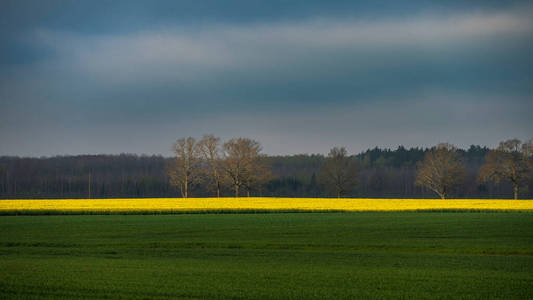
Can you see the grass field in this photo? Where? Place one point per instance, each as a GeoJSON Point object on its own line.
{"type": "Point", "coordinates": [251, 204]}
{"type": "Point", "coordinates": [328, 255]}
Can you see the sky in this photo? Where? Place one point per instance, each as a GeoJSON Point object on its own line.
{"type": "Point", "coordinates": [131, 76]}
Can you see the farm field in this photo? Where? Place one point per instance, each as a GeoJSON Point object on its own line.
{"type": "Point", "coordinates": [292, 255]}
{"type": "Point", "coordinates": [253, 204]}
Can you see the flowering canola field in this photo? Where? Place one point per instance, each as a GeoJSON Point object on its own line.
{"type": "Point", "coordinates": [256, 203]}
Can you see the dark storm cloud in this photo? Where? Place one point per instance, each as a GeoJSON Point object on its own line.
{"type": "Point", "coordinates": [132, 76]}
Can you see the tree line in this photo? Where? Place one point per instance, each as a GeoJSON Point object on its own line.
{"type": "Point", "coordinates": [237, 163]}
{"type": "Point", "coordinates": [442, 169]}
{"type": "Point", "coordinates": [238, 167]}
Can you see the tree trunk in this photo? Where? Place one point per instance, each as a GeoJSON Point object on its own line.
{"type": "Point", "coordinates": [248, 193]}
{"type": "Point", "coordinates": [181, 191]}
{"type": "Point", "coordinates": [515, 188]}
{"type": "Point", "coordinates": [217, 181]}
{"type": "Point", "coordinates": [236, 190]}
{"type": "Point", "coordinates": [186, 187]}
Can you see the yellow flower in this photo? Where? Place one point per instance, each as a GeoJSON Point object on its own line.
{"type": "Point", "coordinates": [258, 203]}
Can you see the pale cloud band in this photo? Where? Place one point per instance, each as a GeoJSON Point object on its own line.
{"type": "Point", "coordinates": [186, 54]}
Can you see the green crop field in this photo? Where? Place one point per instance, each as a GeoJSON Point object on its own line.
{"type": "Point", "coordinates": [299, 255]}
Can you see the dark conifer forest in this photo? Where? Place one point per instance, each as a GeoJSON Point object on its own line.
{"type": "Point", "coordinates": [382, 173]}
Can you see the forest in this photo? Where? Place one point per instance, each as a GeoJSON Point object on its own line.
{"type": "Point", "coordinates": [381, 173]}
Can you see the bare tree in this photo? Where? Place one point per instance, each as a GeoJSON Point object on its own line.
{"type": "Point", "coordinates": [512, 161]}
{"type": "Point", "coordinates": [339, 171]}
{"type": "Point", "coordinates": [441, 170]}
{"type": "Point", "coordinates": [184, 170]}
{"type": "Point", "coordinates": [240, 161]}
{"type": "Point", "coordinates": [209, 146]}
{"type": "Point", "coordinates": [256, 177]}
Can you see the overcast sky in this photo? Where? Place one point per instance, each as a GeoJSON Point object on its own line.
{"type": "Point", "coordinates": [88, 77]}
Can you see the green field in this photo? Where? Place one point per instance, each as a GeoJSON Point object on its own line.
{"type": "Point", "coordinates": [301, 255]}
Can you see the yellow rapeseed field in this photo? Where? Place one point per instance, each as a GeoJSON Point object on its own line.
{"type": "Point", "coordinates": [258, 203]}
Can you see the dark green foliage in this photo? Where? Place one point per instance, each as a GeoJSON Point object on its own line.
{"type": "Point", "coordinates": [382, 173]}
{"type": "Point", "coordinates": [311, 256]}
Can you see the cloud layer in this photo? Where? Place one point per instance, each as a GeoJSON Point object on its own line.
{"type": "Point", "coordinates": [297, 84]}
